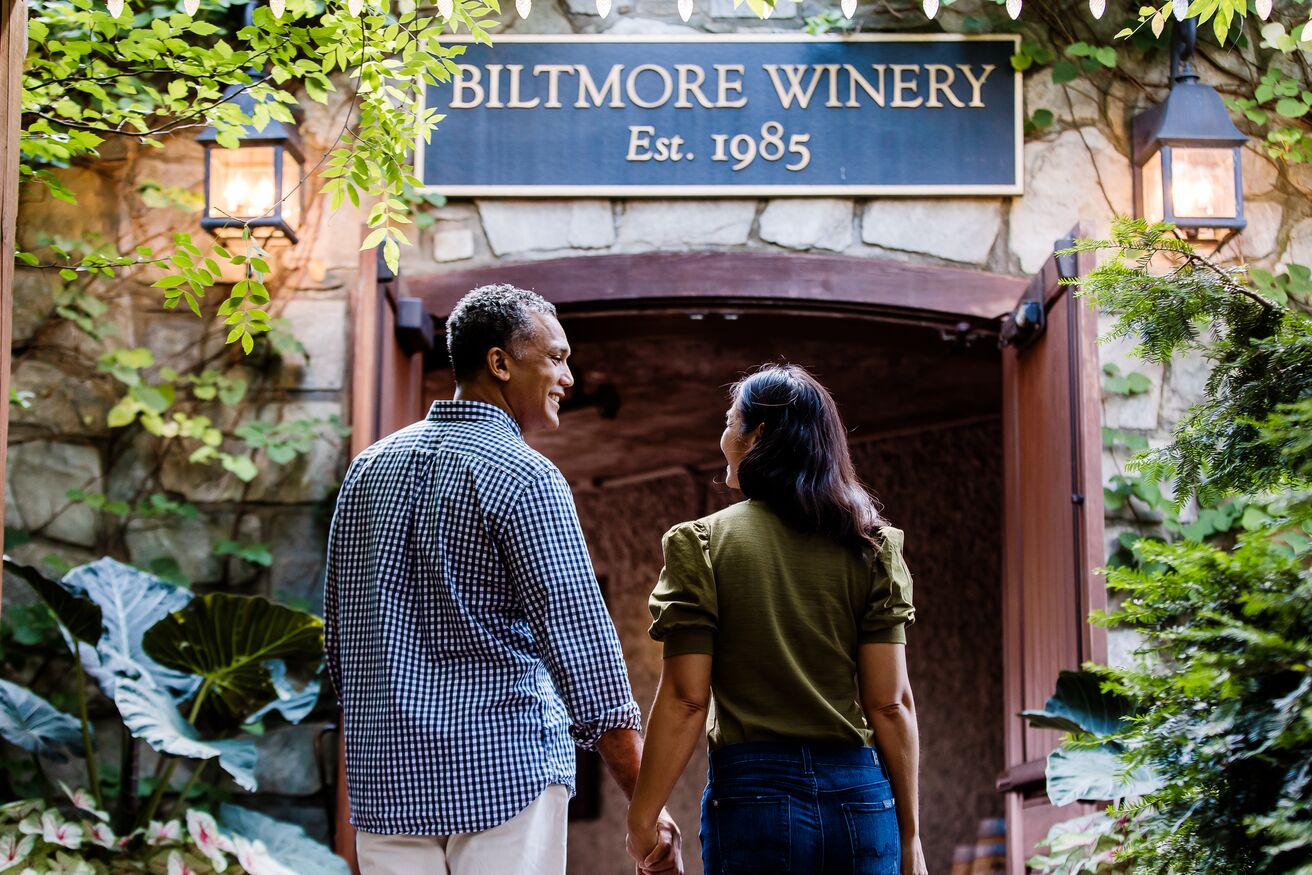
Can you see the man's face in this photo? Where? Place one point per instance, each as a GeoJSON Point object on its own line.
{"type": "Point", "coordinates": [539, 376]}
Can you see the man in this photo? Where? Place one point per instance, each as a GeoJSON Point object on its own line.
{"type": "Point", "coordinates": [464, 630]}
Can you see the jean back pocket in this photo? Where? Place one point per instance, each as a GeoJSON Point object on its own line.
{"type": "Point", "coordinates": [753, 834]}
{"type": "Point", "coordinates": [872, 829]}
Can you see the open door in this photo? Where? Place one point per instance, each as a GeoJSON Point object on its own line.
{"type": "Point", "coordinates": [1052, 527]}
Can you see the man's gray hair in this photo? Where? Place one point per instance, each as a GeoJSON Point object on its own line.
{"type": "Point", "coordinates": [497, 315]}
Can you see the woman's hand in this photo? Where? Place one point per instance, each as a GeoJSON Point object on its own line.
{"type": "Point", "coordinates": [913, 858]}
{"type": "Point", "coordinates": [656, 847]}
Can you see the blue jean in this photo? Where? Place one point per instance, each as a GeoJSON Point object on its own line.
{"type": "Point", "coordinates": [791, 809]}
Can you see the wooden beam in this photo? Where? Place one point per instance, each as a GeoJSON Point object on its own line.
{"type": "Point", "coordinates": [748, 278]}
{"type": "Point", "coordinates": [13, 47]}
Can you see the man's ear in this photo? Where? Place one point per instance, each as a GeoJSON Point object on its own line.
{"type": "Point", "coordinates": [498, 362]}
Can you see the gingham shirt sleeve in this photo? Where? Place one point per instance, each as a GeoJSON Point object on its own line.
{"type": "Point", "coordinates": [547, 561]}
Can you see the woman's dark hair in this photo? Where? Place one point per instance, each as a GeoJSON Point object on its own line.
{"type": "Point", "coordinates": [800, 466]}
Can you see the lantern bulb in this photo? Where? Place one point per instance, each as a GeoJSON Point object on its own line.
{"type": "Point", "coordinates": [1180, 8]}
{"type": "Point", "coordinates": [849, 8]}
{"type": "Point", "coordinates": [1264, 9]}
{"type": "Point", "coordinates": [523, 7]}
{"type": "Point", "coordinates": [603, 8]}
{"type": "Point", "coordinates": [931, 8]}
{"type": "Point", "coordinates": [115, 8]}
{"type": "Point", "coordinates": [190, 6]}
{"type": "Point", "coordinates": [1097, 7]}
{"type": "Point", "coordinates": [355, 7]}
{"type": "Point", "coordinates": [446, 8]}
{"type": "Point", "coordinates": [1013, 8]}
{"type": "Point", "coordinates": [685, 9]}
{"type": "Point", "coordinates": [277, 7]}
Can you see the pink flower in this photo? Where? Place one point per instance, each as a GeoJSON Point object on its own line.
{"type": "Point", "coordinates": [14, 850]}
{"type": "Point", "coordinates": [212, 843]}
{"type": "Point", "coordinates": [255, 859]}
{"type": "Point", "coordinates": [103, 836]}
{"type": "Point", "coordinates": [178, 865]}
{"type": "Point", "coordinates": [53, 829]}
{"type": "Point", "coordinates": [84, 800]}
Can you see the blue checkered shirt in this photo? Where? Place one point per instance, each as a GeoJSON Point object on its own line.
{"type": "Point", "coordinates": [464, 630]}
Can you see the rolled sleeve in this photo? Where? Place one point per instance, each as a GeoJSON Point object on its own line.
{"type": "Point", "coordinates": [889, 610]}
{"type": "Point", "coordinates": [683, 606]}
{"type": "Point", "coordinates": [548, 565]}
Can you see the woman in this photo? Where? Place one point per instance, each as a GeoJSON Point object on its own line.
{"type": "Point", "coordinates": [787, 607]}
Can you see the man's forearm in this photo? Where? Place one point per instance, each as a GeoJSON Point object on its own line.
{"type": "Point", "coordinates": [621, 751]}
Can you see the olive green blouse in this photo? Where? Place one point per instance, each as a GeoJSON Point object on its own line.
{"type": "Point", "coordinates": [782, 612]}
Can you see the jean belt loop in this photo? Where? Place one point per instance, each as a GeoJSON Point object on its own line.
{"type": "Point", "coordinates": [808, 767]}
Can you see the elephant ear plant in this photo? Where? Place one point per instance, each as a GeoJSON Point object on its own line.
{"type": "Point", "coordinates": [188, 674]}
{"type": "Point", "coordinates": [1094, 764]}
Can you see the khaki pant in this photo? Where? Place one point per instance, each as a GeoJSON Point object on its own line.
{"type": "Point", "coordinates": [530, 843]}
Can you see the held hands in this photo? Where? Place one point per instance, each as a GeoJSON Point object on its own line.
{"type": "Point", "coordinates": [913, 858]}
{"type": "Point", "coordinates": [656, 848]}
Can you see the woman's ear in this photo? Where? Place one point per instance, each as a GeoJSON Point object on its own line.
{"type": "Point", "coordinates": [756, 434]}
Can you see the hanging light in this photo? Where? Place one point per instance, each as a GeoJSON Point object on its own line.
{"type": "Point", "coordinates": [848, 7]}
{"type": "Point", "coordinates": [115, 8]}
{"type": "Point", "coordinates": [257, 184]}
{"type": "Point", "coordinates": [523, 7]}
{"type": "Point", "coordinates": [1263, 9]}
{"type": "Point", "coordinates": [685, 9]}
{"type": "Point", "coordinates": [277, 7]}
{"type": "Point", "coordinates": [1186, 154]}
{"type": "Point", "coordinates": [603, 8]}
{"type": "Point", "coordinates": [931, 8]}
{"type": "Point", "coordinates": [1097, 7]}
{"type": "Point", "coordinates": [1180, 8]}
{"type": "Point", "coordinates": [1013, 8]}
{"type": "Point", "coordinates": [446, 8]}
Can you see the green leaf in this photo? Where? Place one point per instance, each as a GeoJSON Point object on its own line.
{"type": "Point", "coordinates": [1291, 107]}
{"type": "Point", "coordinates": [1075, 775]}
{"type": "Point", "coordinates": [30, 722]}
{"type": "Point", "coordinates": [375, 237]}
{"type": "Point", "coordinates": [285, 842]}
{"type": "Point", "coordinates": [150, 714]}
{"type": "Point", "coordinates": [80, 616]}
{"type": "Point", "coordinates": [1079, 705]}
{"type": "Point", "coordinates": [1064, 71]}
{"type": "Point", "coordinates": [229, 640]}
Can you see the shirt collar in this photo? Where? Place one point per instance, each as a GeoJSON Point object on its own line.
{"type": "Point", "coordinates": [472, 411]}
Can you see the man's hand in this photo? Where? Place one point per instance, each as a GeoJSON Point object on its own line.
{"type": "Point", "coordinates": [913, 858]}
{"type": "Point", "coordinates": [657, 848]}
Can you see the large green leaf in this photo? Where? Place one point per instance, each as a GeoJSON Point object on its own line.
{"type": "Point", "coordinates": [294, 705]}
{"type": "Point", "coordinates": [230, 640]}
{"type": "Point", "coordinates": [80, 616]}
{"type": "Point", "coordinates": [285, 842]}
{"type": "Point", "coordinates": [35, 725]}
{"type": "Point", "coordinates": [131, 601]}
{"type": "Point", "coordinates": [1097, 774]}
{"type": "Point", "coordinates": [1079, 705]}
{"type": "Point", "coordinates": [150, 714]}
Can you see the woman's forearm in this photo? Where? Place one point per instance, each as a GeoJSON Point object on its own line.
{"type": "Point", "coordinates": [898, 741]}
{"type": "Point", "coordinates": [674, 730]}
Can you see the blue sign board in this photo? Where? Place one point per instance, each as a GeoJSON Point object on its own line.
{"type": "Point", "coordinates": [742, 114]}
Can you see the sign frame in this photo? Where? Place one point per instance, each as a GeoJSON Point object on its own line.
{"type": "Point", "coordinates": [728, 191]}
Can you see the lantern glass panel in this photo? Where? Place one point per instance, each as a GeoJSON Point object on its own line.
{"type": "Point", "coordinates": [242, 184]}
{"type": "Point", "coordinates": [1152, 188]}
{"type": "Point", "coordinates": [291, 179]}
{"type": "Point", "coordinates": [1203, 183]}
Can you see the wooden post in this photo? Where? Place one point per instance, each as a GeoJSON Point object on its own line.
{"type": "Point", "coordinates": [13, 47]}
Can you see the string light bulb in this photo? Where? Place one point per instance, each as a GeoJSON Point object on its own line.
{"type": "Point", "coordinates": [446, 8]}
{"type": "Point", "coordinates": [1180, 8]}
{"type": "Point", "coordinates": [355, 7]}
{"type": "Point", "coordinates": [849, 8]}
{"type": "Point", "coordinates": [277, 7]}
{"type": "Point", "coordinates": [931, 8]}
{"type": "Point", "coordinates": [685, 9]}
{"type": "Point", "coordinates": [523, 7]}
{"type": "Point", "coordinates": [115, 8]}
{"type": "Point", "coordinates": [1013, 8]}
{"type": "Point", "coordinates": [1097, 7]}
{"type": "Point", "coordinates": [1264, 9]}
{"type": "Point", "coordinates": [190, 6]}
{"type": "Point", "coordinates": [603, 8]}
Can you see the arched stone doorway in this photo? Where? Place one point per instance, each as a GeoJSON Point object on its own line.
{"type": "Point", "coordinates": [978, 453]}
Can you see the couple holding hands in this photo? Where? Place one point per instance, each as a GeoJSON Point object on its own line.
{"type": "Point", "coordinates": [470, 649]}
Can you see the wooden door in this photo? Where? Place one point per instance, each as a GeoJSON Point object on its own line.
{"type": "Point", "coordinates": [1052, 525]}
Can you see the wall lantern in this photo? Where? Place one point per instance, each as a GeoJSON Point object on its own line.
{"type": "Point", "coordinates": [1186, 154]}
{"type": "Point", "coordinates": [255, 184]}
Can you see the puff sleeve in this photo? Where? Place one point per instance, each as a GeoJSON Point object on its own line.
{"type": "Point", "coordinates": [683, 605]}
{"type": "Point", "coordinates": [888, 609]}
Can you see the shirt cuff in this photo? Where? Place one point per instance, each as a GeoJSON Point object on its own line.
{"type": "Point", "coordinates": [626, 716]}
{"type": "Point", "coordinates": [683, 641]}
{"type": "Point", "coordinates": [892, 635]}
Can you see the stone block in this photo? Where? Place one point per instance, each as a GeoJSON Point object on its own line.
{"type": "Point", "coordinates": [1258, 171]}
{"type": "Point", "coordinates": [40, 474]}
{"type": "Point", "coordinates": [65, 400]}
{"type": "Point", "coordinates": [1042, 93]}
{"type": "Point", "coordinates": [452, 242]}
{"type": "Point", "coordinates": [808, 224]}
{"type": "Point", "coordinates": [1068, 180]}
{"type": "Point", "coordinates": [546, 17]}
{"type": "Point", "coordinates": [1138, 412]}
{"type": "Point", "coordinates": [308, 477]}
{"type": "Point", "coordinates": [287, 764]}
{"type": "Point", "coordinates": [685, 224]}
{"type": "Point", "coordinates": [1185, 380]}
{"type": "Point", "coordinates": [319, 322]}
{"type": "Point", "coordinates": [34, 302]}
{"type": "Point", "coordinates": [1299, 248]}
{"type": "Point", "coordinates": [528, 226]}
{"type": "Point", "coordinates": [300, 539]}
{"type": "Point", "coordinates": [1259, 238]}
{"type": "Point", "coordinates": [956, 229]}
{"type": "Point", "coordinates": [96, 211]}
{"type": "Point", "coordinates": [643, 26]}
{"type": "Point", "coordinates": [190, 542]}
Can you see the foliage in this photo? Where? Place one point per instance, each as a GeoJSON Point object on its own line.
{"type": "Point", "coordinates": [1089, 845]}
{"type": "Point", "coordinates": [70, 835]}
{"type": "Point", "coordinates": [187, 674]}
